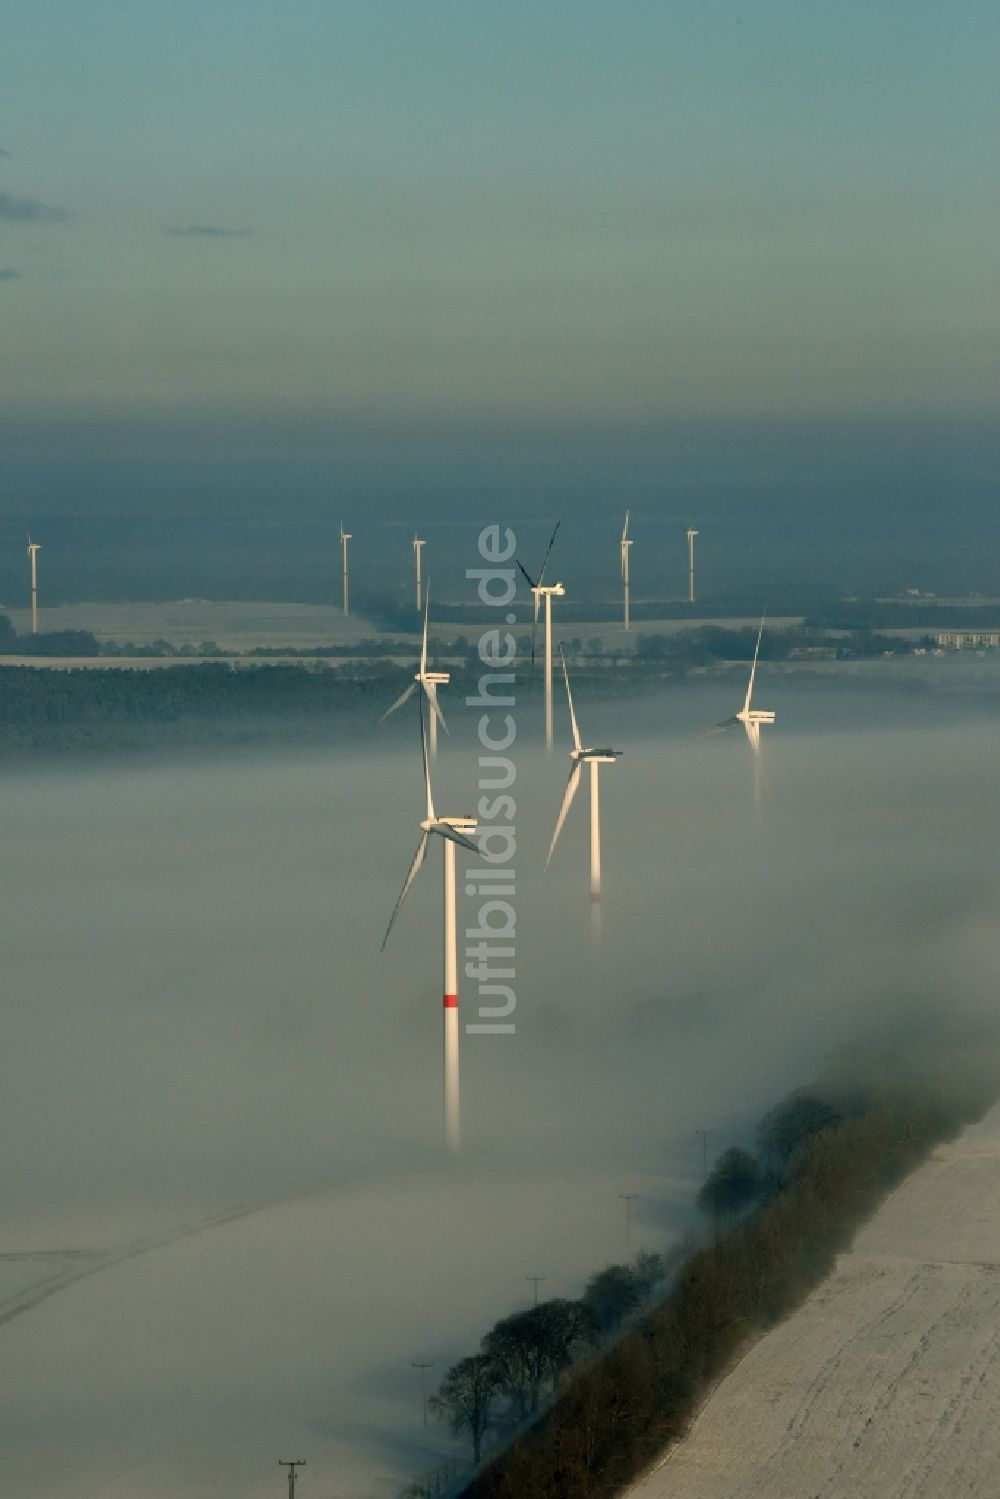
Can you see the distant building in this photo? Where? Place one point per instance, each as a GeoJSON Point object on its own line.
{"type": "Point", "coordinates": [968, 640]}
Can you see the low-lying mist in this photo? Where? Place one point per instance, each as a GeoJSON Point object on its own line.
{"type": "Point", "coordinates": [199, 1020]}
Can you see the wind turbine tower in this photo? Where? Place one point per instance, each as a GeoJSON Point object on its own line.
{"type": "Point", "coordinates": [429, 681]}
{"type": "Point", "coordinates": [594, 758]}
{"type": "Point", "coordinates": [34, 548]}
{"type": "Point", "coordinates": [752, 719]}
{"type": "Point", "coordinates": [692, 533]}
{"type": "Point", "coordinates": [541, 590]}
{"type": "Point", "coordinates": [452, 831]}
{"type": "Point", "coordinates": [417, 544]}
{"type": "Point", "coordinates": [345, 537]}
{"type": "Point", "coordinates": [623, 546]}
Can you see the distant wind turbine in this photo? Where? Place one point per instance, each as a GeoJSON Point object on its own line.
{"type": "Point", "coordinates": [452, 831]}
{"type": "Point", "coordinates": [623, 547]}
{"type": "Point", "coordinates": [417, 544]}
{"type": "Point", "coordinates": [692, 533]}
{"type": "Point", "coordinates": [751, 718]}
{"type": "Point", "coordinates": [539, 591]}
{"type": "Point", "coordinates": [430, 681]}
{"type": "Point", "coordinates": [34, 547]}
{"type": "Point", "coordinates": [345, 537]}
{"type": "Point", "coordinates": [594, 758]}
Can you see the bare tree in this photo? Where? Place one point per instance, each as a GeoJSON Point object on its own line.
{"type": "Point", "coordinates": [735, 1182]}
{"type": "Point", "coordinates": [532, 1346]}
{"type": "Point", "coordinates": [466, 1396]}
{"type": "Point", "coordinates": [609, 1297]}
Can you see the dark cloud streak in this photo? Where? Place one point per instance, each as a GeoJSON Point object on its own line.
{"type": "Point", "coordinates": [29, 211]}
{"type": "Point", "coordinates": [7, 273]}
{"type": "Point", "coordinates": [209, 231]}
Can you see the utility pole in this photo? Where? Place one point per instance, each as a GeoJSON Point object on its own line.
{"type": "Point", "coordinates": [292, 1475]}
{"type": "Point", "coordinates": [628, 1198]}
{"type": "Point", "coordinates": [704, 1133]}
{"type": "Point", "coordinates": [423, 1367]}
{"type": "Point", "coordinates": [535, 1279]}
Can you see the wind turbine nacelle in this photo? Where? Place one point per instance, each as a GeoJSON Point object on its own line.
{"type": "Point", "coordinates": [759, 715]}
{"type": "Point", "coordinates": [442, 678]}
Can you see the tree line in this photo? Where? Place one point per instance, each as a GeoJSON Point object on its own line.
{"type": "Point", "coordinates": [590, 1392]}
{"type": "Point", "coordinates": [83, 709]}
{"type": "Point", "coordinates": [524, 1356]}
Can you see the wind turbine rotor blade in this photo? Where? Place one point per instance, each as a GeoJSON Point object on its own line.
{"type": "Point", "coordinates": [753, 669]}
{"type": "Point", "coordinates": [548, 549]}
{"type": "Point", "coordinates": [720, 728]}
{"type": "Point", "coordinates": [423, 647]}
{"type": "Point", "coordinates": [418, 859]}
{"type": "Point", "coordinates": [431, 689]}
{"type": "Point", "coordinates": [536, 600]}
{"type": "Point", "coordinates": [534, 627]}
{"type": "Point", "coordinates": [454, 836]}
{"type": "Point", "coordinates": [403, 696]}
{"type": "Point", "coordinates": [429, 795]}
{"type": "Point", "coordinates": [577, 744]}
{"type": "Point", "coordinates": [567, 802]}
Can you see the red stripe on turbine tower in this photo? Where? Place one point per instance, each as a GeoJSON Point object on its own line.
{"type": "Point", "coordinates": [451, 1001]}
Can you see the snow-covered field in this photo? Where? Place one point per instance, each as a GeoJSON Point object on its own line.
{"type": "Point", "coordinates": [244, 625]}
{"type": "Point", "coordinates": [886, 1382]}
{"type": "Point", "coordinates": [193, 1365]}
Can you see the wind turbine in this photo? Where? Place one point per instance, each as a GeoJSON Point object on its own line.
{"type": "Point", "coordinates": [594, 758]}
{"type": "Point", "coordinates": [452, 831]}
{"type": "Point", "coordinates": [34, 547]}
{"type": "Point", "coordinates": [623, 547]}
{"type": "Point", "coordinates": [692, 533]}
{"type": "Point", "coordinates": [345, 537]}
{"type": "Point", "coordinates": [549, 592]}
{"type": "Point", "coordinates": [751, 718]}
{"type": "Point", "coordinates": [430, 681]}
{"type": "Point", "coordinates": [417, 544]}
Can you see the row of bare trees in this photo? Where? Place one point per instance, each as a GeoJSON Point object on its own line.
{"type": "Point", "coordinates": [781, 1215]}
{"type": "Point", "coordinates": [523, 1358]}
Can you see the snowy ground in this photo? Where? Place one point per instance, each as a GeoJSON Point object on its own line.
{"type": "Point", "coordinates": [190, 1362]}
{"type": "Point", "coordinates": [887, 1381]}
{"type": "Point", "coordinates": [216, 1084]}
{"type": "Point", "coordinates": [244, 625]}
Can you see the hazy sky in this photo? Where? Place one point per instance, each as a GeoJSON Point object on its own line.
{"type": "Point", "coordinates": [453, 209]}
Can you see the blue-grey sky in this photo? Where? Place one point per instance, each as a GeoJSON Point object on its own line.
{"type": "Point", "coordinates": [453, 209]}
